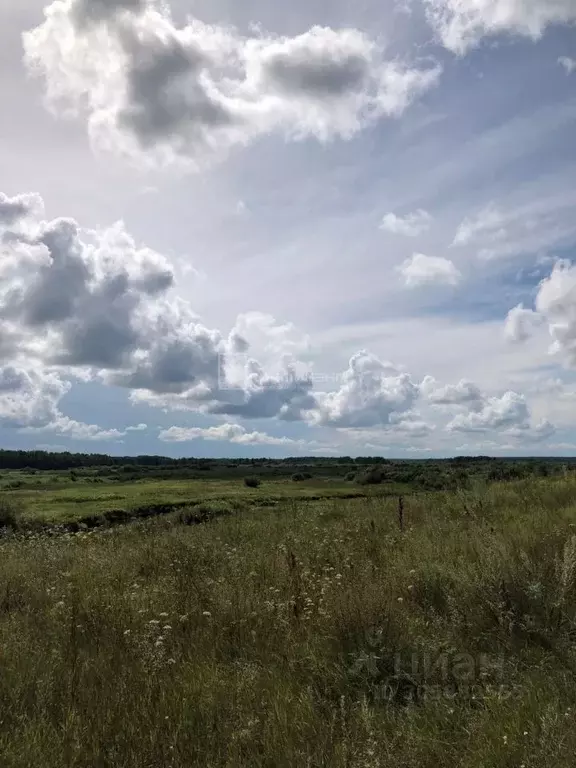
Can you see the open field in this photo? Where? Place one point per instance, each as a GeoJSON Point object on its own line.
{"type": "Point", "coordinates": [64, 501]}
{"type": "Point", "coordinates": [305, 634]}
{"type": "Point", "coordinates": [62, 488]}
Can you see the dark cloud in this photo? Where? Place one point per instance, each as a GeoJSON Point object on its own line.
{"type": "Point", "coordinates": [163, 93]}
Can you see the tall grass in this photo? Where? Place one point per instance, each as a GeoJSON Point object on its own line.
{"type": "Point", "coordinates": [299, 637]}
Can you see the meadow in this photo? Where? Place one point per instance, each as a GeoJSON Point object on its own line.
{"type": "Point", "coordinates": [305, 632]}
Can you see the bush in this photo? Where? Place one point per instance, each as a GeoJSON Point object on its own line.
{"type": "Point", "coordinates": [299, 477]}
{"type": "Point", "coordinates": [350, 477]}
{"type": "Point", "coordinates": [10, 514]}
{"type": "Point", "coordinates": [373, 476]}
{"type": "Point", "coordinates": [252, 482]}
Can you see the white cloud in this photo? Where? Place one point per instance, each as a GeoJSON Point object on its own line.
{"type": "Point", "coordinates": [371, 394]}
{"type": "Point", "coordinates": [488, 221]}
{"type": "Point", "coordinates": [161, 93]}
{"type": "Point", "coordinates": [555, 307]}
{"type": "Point", "coordinates": [533, 227]}
{"type": "Point", "coordinates": [520, 324]}
{"type": "Point", "coordinates": [411, 225]}
{"type": "Point", "coordinates": [29, 402]}
{"type": "Point", "coordinates": [429, 270]}
{"type": "Point", "coordinates": [462, 24]}
{"type": "Point", "coordinates": [508, 411]}
{"type": "Point", "coordinates": [14, 209]}
{"type": "Point", "coordinates": [556, 303]}
{"type": "Point", "coordinates": [464, 393]}
{"type": "Point", "coordinates": [29, 397]}
{"type": "Point", "coordinates": [76, 430]}
{"type": "Point", "coordinates": [98, 304]}
{"type": "Point", "coordinates": [473, 410]}
{"type": "Point", "coordinates": [568, 64]}
{"type": "Point", "coordinates": [231, 433]}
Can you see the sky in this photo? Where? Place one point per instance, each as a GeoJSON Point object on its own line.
{"type": "Point", "coordinates": [326, 227]}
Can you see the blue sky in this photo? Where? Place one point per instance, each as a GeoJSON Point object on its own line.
{"type": "Point", "coordinates": [247, 229]}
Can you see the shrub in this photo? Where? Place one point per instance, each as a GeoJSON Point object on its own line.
{"type": "Point", "coordinates": [252, 482]}
{"type": "Point", "coordinates": [10, 513]}
{"type": "Point", "coordinates": [299, 477]}
{"type": "Point", "coordinates": [373, 476]}
{"type": "Point", "coordinates": [201, 513]}
{"type": "Point", "coordinates": [350, 477]}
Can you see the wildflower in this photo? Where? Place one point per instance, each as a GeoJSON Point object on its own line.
{"type": "Point", "coordinates": [163, 615]}
{"type": "Point", "coordinates": [206, 613]}
{"type": "Point", "coordinates": [159, 643]}
{"type": "Point", "coordinates": [525, 733]}
{"type": "Point", "coordinates": [154, 622]}
{"type": "Point", "coordinates": [127, 632]}
{"type": "Point", "coordinates": [167, 628]}
{"type": "Point", "coordinates": [400, 599]}
{"type": "Point", "coordinates": [171, 661]}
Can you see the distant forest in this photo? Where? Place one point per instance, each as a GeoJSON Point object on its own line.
{"type": "Point", "coordinates": [495, 467]}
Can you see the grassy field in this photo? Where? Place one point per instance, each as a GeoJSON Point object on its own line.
{"type": "Point", "coordinates": [306, 634]}
{"type": "Point", "coordinates": [55, 498]}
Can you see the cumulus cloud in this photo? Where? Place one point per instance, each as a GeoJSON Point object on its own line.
{"type": "Point", "coordinates": [98, 304]}
{"type": "Point", "coordinates": [230, 433]}
{"type": "Point", "coordinates": [160, 93]}
{"type": "Point", "coordinates": [508, 414]}
{"type": "Point", "coordinates": [464, 393]}
{"type": "Point", "coordinates": [555, 307]}
{"type": "Point", "coordinates": [476, 411]}
{"type": "Point", "coordinates": [462, 24]}
{"type": "Point", "coordinates": [429, 270]}
{"type": "Point", "coordinates": [510, 410]}
{"type": "Point", "coordinates": [411, 225]}
{"type": "Point", "coordinates": [556, 304]}
{"type": "Point", "coordinates": [76, 430]}
{"type": "Point", "coordinates": [29, 402]}
{"type": "Point", "coordinates": [520, 324]}
{"type": "Point", "coordinates": [29, 398]}
{"type": "Point", "coordinates": [372, 393]}
{"type": "Point", "coordinates": [14, 209]}
{"type": "Point", "coordinates": [87, 293]}
{"type": "Point", "coordinates": [568, 64]}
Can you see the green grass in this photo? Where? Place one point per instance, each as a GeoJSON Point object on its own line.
{"type": "Point", "coordinates": [67, 501]}
{"type": "Point", "coordinates": [287, 637]}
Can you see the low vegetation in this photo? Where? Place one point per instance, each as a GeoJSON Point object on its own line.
{"type": "Point", "coordinates": [303, 633]}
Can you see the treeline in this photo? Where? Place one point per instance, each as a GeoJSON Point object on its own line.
{"type": "Point", "coordinates": [42, 460]}
{"type": "Point", "coordinates": [401, 469]}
